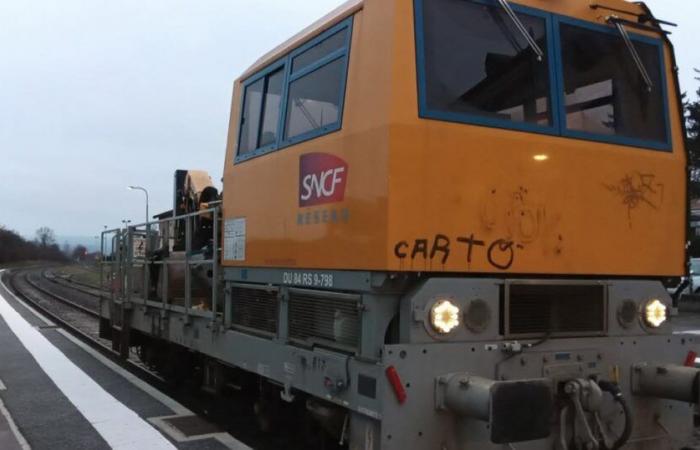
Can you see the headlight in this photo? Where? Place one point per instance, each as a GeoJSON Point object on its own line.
{"type": "Point", "coordinates": [655, 313]}
{"type": "Point", "coordinates": [444, 316]}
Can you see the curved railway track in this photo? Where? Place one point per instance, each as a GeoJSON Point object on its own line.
{"type": "Point", "coordinates": [75, 309]}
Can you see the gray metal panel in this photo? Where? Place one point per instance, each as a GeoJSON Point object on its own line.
{"type": "Point", "coordinates": [342, 280]}
{"type": "Point", "coordinates": [417, 424]}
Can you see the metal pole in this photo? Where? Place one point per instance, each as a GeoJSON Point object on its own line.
{"type": "Point", "coordinates": [145, 191]}
{"type": "Point", "coordinates": [215, 266]}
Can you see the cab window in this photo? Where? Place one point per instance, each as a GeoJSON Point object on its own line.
{"type": "Point", "coordinates": [261, 111]}
{"type": "Point", "coordinates": [604, 91]}
{"type": "Point", "coordinates": [297, 98]}
{"type": "Point", "coordinates": [479, 67]}
{"type": "Point", "coordinates": [316, 89]}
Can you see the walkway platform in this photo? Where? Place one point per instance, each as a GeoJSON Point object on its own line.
{"type": "Point", "coordinates": [57, 393]}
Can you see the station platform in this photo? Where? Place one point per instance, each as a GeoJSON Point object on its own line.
{"type": "Point", "coordinates": [58, 393]}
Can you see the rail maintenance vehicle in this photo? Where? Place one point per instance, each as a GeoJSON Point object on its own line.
{"type": "Point", "coordinates": [445, 224]}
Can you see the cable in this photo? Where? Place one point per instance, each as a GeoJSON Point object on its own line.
{"type": "Point", "coordinates": [614, 390]}
{"type": "Point", "coordinates": [525, 347]}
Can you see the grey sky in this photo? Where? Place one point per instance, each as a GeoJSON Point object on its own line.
{"type": "Point", "coordinates": [96, 95]}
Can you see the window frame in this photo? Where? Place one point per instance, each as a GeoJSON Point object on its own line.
{"type": "Point", "coordinates": [612, 139]}
{"type": "Point", "coordinates": [476, 119]}
{"type": "Point", "coordinates": [556, 75]}
{"type": "Point", "coordinates": [285, 63]}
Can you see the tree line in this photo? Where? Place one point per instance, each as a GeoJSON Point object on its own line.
{"type": "Point", "coordinates": [14, 248]}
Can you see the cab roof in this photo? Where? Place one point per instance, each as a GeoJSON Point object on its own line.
{"type": "Point", "coordinates": [329, 20]}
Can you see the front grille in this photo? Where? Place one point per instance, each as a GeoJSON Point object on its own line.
{"type": "Point", "coordinates": [533, 309]}
{"type": "Point", "coordinates": [254, 309]}
{"type": "Point", "coordinates": [324, 318]}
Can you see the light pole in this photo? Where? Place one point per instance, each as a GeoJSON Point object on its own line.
{"type": "Point", "coordinates": [139, 188]}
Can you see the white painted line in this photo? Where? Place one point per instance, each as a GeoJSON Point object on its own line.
{"type": "Point", "coordinates": [2, 386]}
{"type": "Point", "coordinates": [178, 409]}
{"type": "Point", "coordinates": [13, 427]}
{"type": "Point", "coordinates": [224, 438]}
{"type": "Point", "coordinates": [119, 426]}
{"type": "Point", "coordinates": [41, 317]}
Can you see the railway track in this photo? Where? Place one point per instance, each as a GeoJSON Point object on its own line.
{"type": "Point", "coordinates": [75, 309]}
{"type": "Point", "coordinates": [76, 314]}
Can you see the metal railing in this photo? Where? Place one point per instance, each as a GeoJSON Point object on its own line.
{"type": "Point", "coordinates": [130, 256]}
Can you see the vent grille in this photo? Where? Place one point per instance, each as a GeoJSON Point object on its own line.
{"type": "Point", "coordinates": [556, 310]}
{"type": "Point", "coordinates": [324, 318]}
{"type": "Point", "coordinates": [255, 309]}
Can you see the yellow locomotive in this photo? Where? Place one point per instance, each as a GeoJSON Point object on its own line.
{"type": "Point", "coordinates": [444, 226]}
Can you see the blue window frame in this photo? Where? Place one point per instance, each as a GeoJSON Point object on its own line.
{"type": "Point", "coordinates": [621, 94]}
{"type": "Point", "coordinates": [488, 102]}
{"type": "Point", "coordinates": [297, 98]}
{"type": "Point", "coordinates": [474, 67]}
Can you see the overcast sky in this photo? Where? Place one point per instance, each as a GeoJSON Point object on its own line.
{"type": "Point", "coordinates": [96, 95]}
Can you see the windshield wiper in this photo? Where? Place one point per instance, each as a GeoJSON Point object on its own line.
{"type": "Point", "coordinates": [633, 51]}
{"type": "Point", "coordinates": [519, 25]}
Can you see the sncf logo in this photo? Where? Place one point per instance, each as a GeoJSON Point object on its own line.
{"type": "Point", "coordinates": [322, 179]}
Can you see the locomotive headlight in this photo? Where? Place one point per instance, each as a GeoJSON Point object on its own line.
{"type": "Point", "coordinates": [655, 313]}
{"type": "Point", "coordinates": [444, 316]}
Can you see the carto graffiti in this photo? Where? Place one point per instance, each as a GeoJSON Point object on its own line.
{"type": "Point", "coordinates": [499, 253]}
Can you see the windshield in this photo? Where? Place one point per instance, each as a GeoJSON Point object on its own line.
{"type": "Point", "coordinates": [604, 91]}
{"type": "Point", "coordinates": [477, 66]}
{"type": "Point", "coordinates": [477, 62]}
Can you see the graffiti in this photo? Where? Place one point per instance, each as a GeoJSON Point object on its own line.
{"type": "Point", "coordinates": [525, 220]}
{"type": "Point", "coordinates": [471, 241]}
{"type": "Point", "coordinates": [637, 189]}
{"type": "Point", "coordinates": [500, 253]}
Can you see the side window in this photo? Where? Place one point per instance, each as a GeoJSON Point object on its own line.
{"type": "Point", "coordinates": [271, 108]}
{"type": "Point", "coordinates": [250, 117]}
{"type": "Point", "coordinates": [316, 87]}
{"type": "Point", "coordinates": [604, 92]}
{"type": "Point", "coordinates": [478, 66]}
{"type": "Point", "coordinates": [261, 112]}
{"type": "Point", "coordinates": [297, 98]}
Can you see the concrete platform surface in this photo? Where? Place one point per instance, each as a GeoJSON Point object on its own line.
{"type": "Point", "coordinates": [57, 393]}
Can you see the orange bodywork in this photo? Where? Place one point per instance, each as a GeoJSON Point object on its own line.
{"type": "Point", "coordinates": [426, 195]}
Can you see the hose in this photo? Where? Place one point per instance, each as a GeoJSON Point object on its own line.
{"type": "Point", "coordinates": [614, 390]}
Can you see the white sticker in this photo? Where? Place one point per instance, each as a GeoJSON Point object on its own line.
{"type": "Point", "coordinates": [234, 239]}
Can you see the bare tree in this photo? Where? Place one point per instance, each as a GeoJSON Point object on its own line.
{"type": "Point", "coordinates": [45, 237]}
